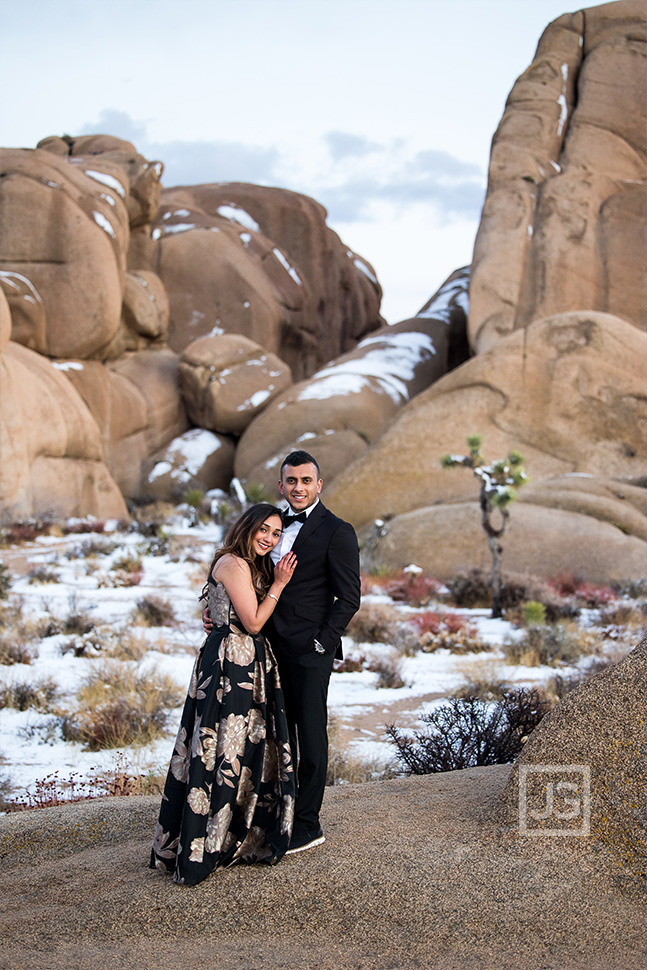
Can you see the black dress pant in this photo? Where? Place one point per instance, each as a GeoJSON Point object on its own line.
{"type": "Point", "coordinates": [305, 689]}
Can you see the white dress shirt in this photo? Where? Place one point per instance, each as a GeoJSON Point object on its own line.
{"type": "Point", "coordinates": [288, 537]}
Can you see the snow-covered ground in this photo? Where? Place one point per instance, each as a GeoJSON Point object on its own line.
{"type": "Point", "coordinates": [31, 741]}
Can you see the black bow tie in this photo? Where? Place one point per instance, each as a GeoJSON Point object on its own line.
{"type": "Point", "coordinates": [288, 519]}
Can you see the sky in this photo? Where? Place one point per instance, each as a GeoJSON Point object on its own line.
{"type": "Point", "coordinates": [382, 110]}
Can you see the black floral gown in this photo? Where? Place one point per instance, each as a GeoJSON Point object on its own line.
{"type": "Point", "coordinates": [229, 793]}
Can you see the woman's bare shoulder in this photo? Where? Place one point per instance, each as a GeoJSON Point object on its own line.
{"type": "Point", "coordinates": [230, 565]}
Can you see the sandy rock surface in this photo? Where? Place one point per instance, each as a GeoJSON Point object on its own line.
{"type": "Point", "coordinates": [415, 873]}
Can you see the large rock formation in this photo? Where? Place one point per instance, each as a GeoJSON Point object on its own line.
{"type": "Point", "coordinates": [564, 226]}
{"type": "Point", "coordinates": [263, 263]}
{"type": "Point", "coordinates": [562, 238]}
{"type": "Point", "coordinates": [569, 394]}
{"type": "Point", "coordinates": [343, 409]}
{"type": "Point", "coordinates": [90, 285]}
{"type": "Point", "coordinates": [50, 445]}
{"type": "Point", "coordinates": [114, 280]}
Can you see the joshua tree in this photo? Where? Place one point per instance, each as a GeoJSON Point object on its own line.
{"type": "Point", "coordinates": [500, 481]}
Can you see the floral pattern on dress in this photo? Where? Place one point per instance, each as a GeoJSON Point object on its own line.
{"type": "Point", "coordinates": [229, 793]}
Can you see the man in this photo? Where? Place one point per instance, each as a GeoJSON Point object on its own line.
{"type": "Point", "coordinates": [306, 627]}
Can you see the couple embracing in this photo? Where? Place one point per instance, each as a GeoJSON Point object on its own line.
{"type": "Point", "coordinates": [248, 771]}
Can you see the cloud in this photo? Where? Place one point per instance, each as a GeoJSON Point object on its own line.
{"type": "Point", "coordinates": [193, 162]}
{"type": "Point", "coordinates": [117, 123]}
{"type": "Point", "coordinates": [455, 188]}
{"type": "Point", "coordinates": [343, 144]}
{"type": "Point", "coordinates": [442, 163]}
{"type": "Point", "coordinates": [352, 201]}
{"type": "Point", "coordinates": [363, 174]}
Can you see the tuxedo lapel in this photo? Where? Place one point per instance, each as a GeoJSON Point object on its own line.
{"type": "Point", "coordinates": [312, 523]}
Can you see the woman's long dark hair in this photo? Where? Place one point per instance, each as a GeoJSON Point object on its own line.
{"type": "Point", "coordinates": [239, 542]}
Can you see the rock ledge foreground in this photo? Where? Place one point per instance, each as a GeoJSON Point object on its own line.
{"type": "Point", "coordinates": [415, 873]}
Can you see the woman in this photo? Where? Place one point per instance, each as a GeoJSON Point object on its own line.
{"type": "Point", "coordinates": [229, 793]}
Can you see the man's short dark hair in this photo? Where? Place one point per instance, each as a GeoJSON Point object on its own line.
{"type": "Point", "coordinates": [296, 458]}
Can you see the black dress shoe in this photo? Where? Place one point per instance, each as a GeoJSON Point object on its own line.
{"type": "Point", "coordinates": [305, 839]}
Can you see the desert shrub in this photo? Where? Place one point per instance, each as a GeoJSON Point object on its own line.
{"type": "Point", "coordinates": [127, 645]}
{"type": "Point", "coordinates": [154, 611]}
{"type": "Point", "coordinates": [157, 545]}
{"type": "Point", "coordinates": [15, 652]}
{"type": "Point", "coordinates": [585, 593]}
{"type": "Point", "coordinates": [117, 707]}
{"type": "Point", "coordinates": [127, 570]}
{"type": "Point", "coordinates": [446, 630]}
{"type": "Point", "coordinates": [623, 613]}
{"type": "Point", "coordinates": [6, 786]}
{"type": "Point", "coordinates": [118, 780]}
{"type": "Point", "coordinates": [5, 581]}
{"type": "Point", "coordinates": [109, 643]}
{"type": "Point", "coordinates": [551, 644]}
{"type": "Point", "coordinates": [22, 695]}
{"type": "Point", "coordinates": [388, 670]}
{"type": "Point", "coordinates": [96, 642]}
{"type": "Point", "coordinates": [413, 588]}
{"type": "Point", "coordinates": [92, 547]}
{"type": "Point", "coordinates": [128, 562]}
{"type": "Point", "coordinates": [633, 588]}
{"type": "Point", "coordinates": [467, 732]}
{"type": "Point", "coordinates": [483, 679]}
{"type": "Point", "coordinates": [471, 589]}
{"type": "Point", "coordinates": [42, 574]}
{"type": "Point", "coordinates": [193, 499]}
{"type": "Point", "coordinates": [465, 640]}
{"type": "Point", "coordinates": [17, 637]}
{"type": "Point", "coordinates": [534, 613]}
{"type": "Point", "coordinates": [27, 530]}
{"type": "Point", "coordinates": [257, 492]}
{"type": "Point", "coordinates": [348, 768]}
{"type": "Point", "coordinates": [374, 623]}
{"type": "Point", "coordinates": [81, 526]}
{"type": "Point", "coordinates": [426, 622]}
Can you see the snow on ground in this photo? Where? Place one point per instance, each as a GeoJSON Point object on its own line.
{"type": "Point", "coordinates": [31, 740]}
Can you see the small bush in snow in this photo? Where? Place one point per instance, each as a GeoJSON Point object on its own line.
{"type": "Point", "coordinates": [375, 623]}
{"type": "Point", "coordinates": [534, 613]}
{"type": "Point", "coordinates": [82, 526]}
{"type": "Point", "coordinates": [17, 637]}
{"type": "Point", "coordinates": [388, 670]}
{"type": "Point", "coordinates": [633, 588]}
{"type": "Point", "coordinates": [22, 695]}
{"type": "Point", "coordinates": [552, 643]}
{"type": "Point", "coordinates": [467, 732]}
{"type": "Point", "coordinates": [43, 574]}
{"type": "Point", "coordinates": [346, 767]}
{"type": "Point", "coordinates": [5, 581]}
{"type": "Point", "coordinates": [117, 707]}
{"type": "Point", "coordinates": [154, 611]}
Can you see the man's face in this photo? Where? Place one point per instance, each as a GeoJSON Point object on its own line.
{"type": "Point", "coordinates": [300, 485]}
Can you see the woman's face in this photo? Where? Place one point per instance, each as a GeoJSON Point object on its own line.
{"type": "Point", "coordinates": [267, 535]}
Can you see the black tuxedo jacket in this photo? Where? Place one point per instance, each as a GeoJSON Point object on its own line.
{"type": "Point", "coordinates": [324, 592]}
